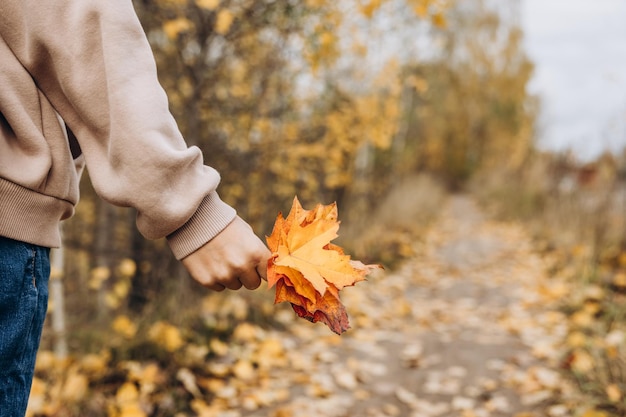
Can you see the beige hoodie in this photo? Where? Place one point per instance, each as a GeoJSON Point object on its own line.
{"type": "Point", "coordinates": [86, 64]}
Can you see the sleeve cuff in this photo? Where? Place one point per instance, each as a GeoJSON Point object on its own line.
{"type": "Point", "coordinates": [212, 216]}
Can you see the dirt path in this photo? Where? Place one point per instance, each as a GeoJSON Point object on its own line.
{"type": "Point", "coordinates": [458, 331]}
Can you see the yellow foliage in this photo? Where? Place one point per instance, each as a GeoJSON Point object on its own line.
{"type": "Point", "coordinates": [594, 292]}
{"type": "Point", "coordinates": [111, 300]}
{"type": "Point", "coordinates": [75, 386]}
{"type": "Point", "coordinates": [554, 290]}
{"type": "Point", "coordinates": [316, 3]}
{"type": "Point", "coordinates": [323, 50]}
{"type": "Point", "coordinates": [582, 319]}
{"type": "Point", "coordinates": [121, 288]}
{"type": "Point", "coordinates": [576, 339]}
{"type": "Point", "coordinates": [246, 332]}
{"type": "Point", "coordinates": [420, 84]}
{"type": "Point", "coordinates": [223, 21]}
{"type": "Point", "coordinates": [131, 410]}
{"type": "Point", "coordinates": [55, 273]}
{"type": "Point", "coordinates": [619, 280]}
{"type": "Point", "coordinates": [421, 7]}
{"type": "Point", "coordinates": [594, 413]}
{"type": "Point", "coordinates": [208, 4]}
{"type": "Point", "coordinates": [240, 90]}
{"type": "Point", "coordinates": [613, 393]}
{"type": "Point", "coordinates": [272, 347]}
{"type": "Point", "coordinates": [37, 399]}
{"type": "Point", "coordinates": [124, 326]}
{"type": "Point", "coordinates": [202, 409]}
{"type": "Point", "coordinates": [185, 88]}
{"type": "Point", "coordinates": [166, 336]}
{"type": "Point", "coordinates": [98, 276]}
{"type": "Point", "coordinates": [327, 41]}
{"type": "Point", "coordinates": [372, 118]}
{"type": "Point", "coordinates": [218, 347]}
{"type": "Point", "coordinates": [127, 268]}
{"type": "Point", "coordinates": [360, 49]}
{"type": "Point", "coordinates": [95, 364]}
{"type": "Point", "coordinates": [175, 27]}
{"type": "Point", "coordinates": [368, 9]}
{"type": "Point", "coordinates": [580, 251]}
{"type": "Point", "coordinates": [127, 402]}
{"type": "Point", "coordinates": [244, 370]}
{"type": "Point", "coordinates": [439, 20]}
{"type": "Point", "coordinates": [148, 376]}
{"type": "Point", "coordinates": [127, 393]}
{"type": "Point", "coordinates": [46, 361]}
{"type": "Point", "coordinates": [612, 352]}
{"type": "Point", "coordinates": [592, 307]}
{"type": "Point", "coordinates": [270, 354]}
{"type": "Point", "coordinates": [582, 361]}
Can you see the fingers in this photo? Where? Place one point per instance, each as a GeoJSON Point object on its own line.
{"type": "Point", "coordinates": [233, 259]}
{"type": "Point", "coordinates": [261, 267]}
{"type": "Point", "coordinates": [232, 284]}
{"type": "Point", "coordinates": [250, 275]}
{"type": "Point", "coordinates": [218, 282]}
{"type": "Point", "coordinates": [232, 280]}
{"type": "Point", "coordinates": [250, 279]}
{"type": "Point", "coordinates": [215, 287]}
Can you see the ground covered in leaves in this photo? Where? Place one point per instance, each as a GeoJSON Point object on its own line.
{"type": "Point", "coordinates": [467, 327]}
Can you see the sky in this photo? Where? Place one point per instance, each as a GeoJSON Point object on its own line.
{"type": "Point", "coordinates": [579, 49]}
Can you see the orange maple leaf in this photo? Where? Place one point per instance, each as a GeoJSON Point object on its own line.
{"type": "Point", "coordinates": [309, 271]}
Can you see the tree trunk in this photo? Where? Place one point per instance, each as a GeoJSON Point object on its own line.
{"type": "Point", "coordinates": [56, 295]}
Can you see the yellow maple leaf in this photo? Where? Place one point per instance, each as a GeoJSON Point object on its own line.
{"type": "Point", "coordinates": [307, 270]}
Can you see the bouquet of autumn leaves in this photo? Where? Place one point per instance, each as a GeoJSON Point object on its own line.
{"type": "Point", "coordinates": [309, 271]}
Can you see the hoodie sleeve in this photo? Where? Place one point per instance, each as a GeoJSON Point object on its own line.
{"type": "Point", "coordinates": [92, 61]}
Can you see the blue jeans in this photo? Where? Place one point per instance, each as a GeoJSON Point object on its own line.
{"type": "Point", "coordinates": [24, 274]}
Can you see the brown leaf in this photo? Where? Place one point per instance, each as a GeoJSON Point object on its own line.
{"type": "Point", "coordinates": [327, 309]}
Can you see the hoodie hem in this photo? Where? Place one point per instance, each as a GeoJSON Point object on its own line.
{"type": "Point", "coordinates": [31, 217]}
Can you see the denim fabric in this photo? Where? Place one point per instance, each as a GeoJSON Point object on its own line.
{"type": "Point", "coordinates": [24, 274]}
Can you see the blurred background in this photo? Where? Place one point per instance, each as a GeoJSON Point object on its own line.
{"type": "Point", "coordinates": [384, 106]}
